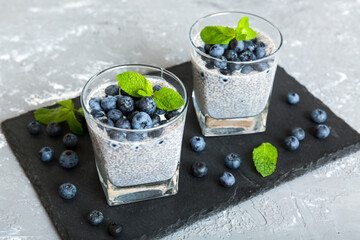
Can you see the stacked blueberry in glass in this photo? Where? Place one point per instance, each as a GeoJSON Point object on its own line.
{"type": "Point", "coordinates": [235, 51]}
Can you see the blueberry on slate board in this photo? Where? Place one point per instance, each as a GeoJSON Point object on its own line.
{"type": "Point", "coordinates": [67, 191]}
{"type": "Point", "coordinates": [299, 133]}
{"type": "Point", "coordinates": [46, 154]}
{"type": "Point", "coordinates": [199, 169]}
{"type": "Point", "coordinates": [95, 217]}
{"type": "Point", "coordinates": [322, 131]}
{"type": "Point", "coordinates": [114, 229]}
{"type": "Point", "coordinates": [197, 143]}
{"type": "Point", "coordinates": [53, 129]}
{"type": "Point", "coordinates": [232, 161]}
{"type": "Point", "coordinates": [318, 115]}
{"type": "Point", "coordinates": [291, 143]}
{"type": "Point", "coordinates": [70, 140]}
{"type": "Point", "coordinates": [34, 127]}
{"type": "Point", "coordinates": [293, 98]}
{"type": "Point", "coordinates": [68, 159]}
{"type": "Point", "coordinates": [227, 179]}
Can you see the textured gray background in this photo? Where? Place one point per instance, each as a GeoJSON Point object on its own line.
{"type": "Point", "coordinates": [48, 49]}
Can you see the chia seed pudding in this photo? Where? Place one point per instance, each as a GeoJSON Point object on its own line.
{"type": "Point", "coordinates": [152, 156]}
{"type": "Point", "coordinates": [237, 95]}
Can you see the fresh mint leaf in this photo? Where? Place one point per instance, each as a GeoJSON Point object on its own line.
{"type": "Point", "coordinates": [243, 23]}
{"type": "Point", "coordinates": [134, 84]}
{"type": "Point", "coordinates": [48, 115]}
{"type": "Point", "coordinates": [217, 35]}
{"type": "Point", "coordinates": [67, 103]}
{"type": "Point", "coordinates": [74, 124]}
{"type": "Point", "coordinates": [81, 111]}
{"type": "Point", "coordinates": [243, 32]}
{"type": "Point", "coordinates": [168, 99]}
{"type": "Point", "coordinates": [265, 158]}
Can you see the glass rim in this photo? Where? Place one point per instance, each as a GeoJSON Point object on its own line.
{"type": "Point", "coordinates": [183, 111]}
{"type": "Point", "coordinates": [234, 62]}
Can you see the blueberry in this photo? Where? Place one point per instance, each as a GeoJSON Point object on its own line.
{"type": "Point", "coordinates": [247, 69]}
{"type": "Point", "coordinates": [209, 64]}
{"type": "Point", "coordinates": [216, 50]}
{"type": "Point", "coordinates": [227, 179]}
{"type": "Point", "coordinates": [322, 131]}
{"type": "Point", "coordinates": [123, 93]}
{"type": "Point", "coordinates": [108, 103]}
{"type": "Point", "coordinates": [116, 135]}
{"type": "Point", "coordinates": [46, 154]}
{"type": "Point", "coordinates": [107, 122]}
{"type": "Point", "coordinates": [199, 169]}
{"type": "Point", "coordinates": [94, 104]}
{"type": "Point", "coordinates": [147, 104]}
{"type": "Point", "coordinates": [197, 144]}
{"type": "Point", "coordinates": [155, 119]}
{"type": "Point", "coordinates": [112, 90]}
{"type": "Point", "coordinates": [291, 143]}
{"type": "Point", "coordinates": [95, 217]}
{"type": "Point", "coordinates": [125, 104]}
{"type": "Point", "coordinates": [260, 66]}
{"type": "Point", "coordinates": [131, 115]}
{"type": "Point", "coordinates": [231, 55]}
{"type": "Point", "coordinates": [238, 46]}
{"type": "Point", "coordinates": [225, 72]}
{"type": "Point", "coordinates": [171, 114]}
{"type": "Point", "coordinates": [53, 129]}
{"type": "Point", "coordinates": [221, 64]}
{"type": "Point", "coordinates": [70, 140]}
{"type": "Point", "coordinates": [158, 87]}
{"type": "Point", "coordinates": [67, 190]}
{"type": "Point", "coordinates": [234, 66]}
{"type": "Point", "coordinates": [246, 56]}
{"type": "Point", "coordinates": [299, 133]}
{"type": "Point", "coordinates": [156, 133]}
{"type": "Point", "coordinates": [225, 46]}
{"type": "Point", "coordinates": [114, 115]}
{"type": "Point", "coordinates": [68, 159]}
{"type": "Point", "coordinates": [134, 137]}
{"type": "Point", "coordinates": [318, 115]}
{"type": "Point", "coordinates": [97, 114]}
{"type": "Point", "coordinates": [232, 161]}
{"type": "Point", "coordinates": [260, 44]}
{"type": "Point", "coordinates": [293, 98]}
{"type": "Point", "coordinates": [34, 127]}
{"type": "Point", "coordinates": [141, 120]}
{"type": "Point", "coordinates": [114, 229]}
{"type": "Point", "coordinates": [159, 111]}
{"type": "Point", "coordinates": [207, 48]}
{"type": "Point", "coordinates": [249, 45]}
{"type": "Point", "coordinates": [260, 52]}
{"type": "Point", "coordinates": [123, 123]}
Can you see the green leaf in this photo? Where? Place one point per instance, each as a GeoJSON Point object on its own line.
{"type": "Point", "coordinates": [168, 99]}
{"type": "Point", "coordinates": [243, 22]}
{"type": "Point", "coordinates": [46, 115]}
{"type": "Point", "coordinates": [265, 157]}
{"type": "Point", "coordinates": [134, 84]}
{"type": "Point", "coordinates": [74, 124]}
{"type": "Point", "coordinates": [81, 111]}
{"type": "Point", "coordinates": [243, 32]}
{"type": "Point", "coordinates": [67, 104]}
{"type": "Point", "coordinates": [217, 35]}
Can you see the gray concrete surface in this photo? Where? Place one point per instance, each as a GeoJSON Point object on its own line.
{"type": "Point", "coordinates": [48, 49]}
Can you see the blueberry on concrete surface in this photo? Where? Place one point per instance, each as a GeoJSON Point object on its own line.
{"type": "Point", "coordinates": [68, 159]}
{"type": "Point", "coordinates": [232, 161]}
{"type": "Point", "coordinates": [199, 169]}
{"type": "Point", "coordinates": [216, 50]}
{"type": "Point", "coordinates": [112, 90]}
{"type": "Point", "coordinates": [46, 154]}
{"type": "Point", "coordinates": [227, 179]}
{"type": "Point", "coordinates": [95, 217]}
{"type": "Point", "coordinates": [53, 129]}
{"type": "Point", "coordinates": [293, 98]}
{"type": "Point", "coordinates": [125, 104]}
{"type": "Point", "coordinates": [34, 127]}
{"type": "Point", "coordinates": [197, 143]}
{"type": "Point", "coordinates": [322, 131]}
{"type": "Point", "coordinates": [108, 103]}
{"type": "Point", "coordinates": [291, 143]}
{"type": "Point", "coordinates": [94, 104]}
{"type": "Point", "coordinates": [318, 115]}
{"type": "Point", "coordinates": [67, 191]}
{"type": "Point", "coordinates": [141, 120]}
{"type": "Point", "coordinates": [147, 104]}
{"type": "Point", "coordinates": [70, 140]}
{"type": "Point", "coordinates": [115, 229]}
{"type": "Point", "coordinates": [299, 133]}
{"type": "Point", "coordinates": [114, 115]}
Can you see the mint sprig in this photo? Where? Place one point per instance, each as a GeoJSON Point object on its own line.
{"type": "Point", "coordinates": [265, 158]}
{"type": "Point", "coordinates": [136, 85]}
{"type": "Point", "coordinates": [66, 112]}
{"type": "Point", "coordinates": [223, 35]}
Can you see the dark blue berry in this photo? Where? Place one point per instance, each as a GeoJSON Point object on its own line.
{"type": "Point", "coordinates": [209, 63]}
{"type": "Point", "coordinates": [322, 131]}
{"type": "Point", "coordinates": [46, 154]}
{"type": "Point", "coordinates": [159, 111]}
{"type": "Point", "coordinates": [123, 123]}
{"type": "Point", "coordinates": [260, 44]}
{"type": "Point", "coordinates": [116, 135]}
{"type": "Point", "coordinates": [53, 129]}
{"type": "Point", "coordinates": [227, 179]}
{"type": "Point", "coordinates": [68, 159]}
{"type": "Point", "coordinates": [134, 137]}
{"type": "Point", "coordinates": [107, 122]}
{"type": "Point", "coordinates": [125, 104]}
{"type": "Point", "coordinates": [225, 71]}
{"type": "Point", "coordinates": [293, 98]}
{"type": "Point", "coordinates": [225, 46]}
{"type": "Point", "coordinates": [97, 114]}
{"type": "Point", "coordinates": [238, 46]}
{"type": "Point", "coordinates": [94, 104]}
{"type": "Point", "coordinates": [207, 48]}
{"type": "Point", "coordinates": [155, 119]}
{"type": "Point", "coordinates": [291, 143]}
{"type": "Point", "coordinates": [247, 69]}
{"type": "Point", "coordinates": [141, 120]}
{"type": "Point", "coordinates": [70, 140]}
{"type": "Point", "coordinates": [114, 115]}
{"type": "Point", "coordinates": [147, 104]}
{"type": "Point", "coordinates": [232, 161]}
{"type": "Point", "coordinates": [231, 55]}
{"type": "Point", "coordinates": [156, 133]}
{"type": "Point", "coordinates": [171, 114]}
{"type": "Point", "coordinates": [260, 52]}
{"type": "Point", "coordinates": [216, 50]}
{"type": "Point", "coordinates": [157, 87]}
{"type": "Point", "coordinates": [34, 127]}
{"type": "Point", "coordinates": [197, 143]}
{"type": "Point", "coordinates": [95, 217]}
{"type": "Point", "coordinates": [234, 66]}
{"type": "Point", "coordinates": [115, 229]}
{"type": "Point", "coordinates": [318, 115]}
{"type": "Point", "coordinates": [249, 45]}
{"type": "Point", "coordinates": [108, 103]}
{"type": "Point", "coordinates": [112, 90]}
{"type": "Point", "coordinates": [67, 190]}
{"type": "Point", "coordinates": [123, 93]}
{"type": "Point", "coordinates": [246, 56]}
{"type": "Point", "coordinates": [221, 64]}
{"type": "Point", "coordinates": [260, 66]}
{"type": "Point", "coordinates": [199, 169]}
{"type": "Point", "coordinates": [299, 133]}
{"type": "Point", "coordinates": [201, 49]}
{"type": "Point", "coordinates": [131, 115]}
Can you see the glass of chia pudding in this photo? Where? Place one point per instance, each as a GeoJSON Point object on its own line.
{"type": "Point", "coordinates": [137, 144]}
{"type": "Point", "coordinates": [233, 80]}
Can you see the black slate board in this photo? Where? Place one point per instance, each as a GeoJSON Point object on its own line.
{"type": "Point", "coordinates": [197, 198]}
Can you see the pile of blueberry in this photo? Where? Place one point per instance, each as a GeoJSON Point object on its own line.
{"type": "Point", "coordinates": [118, 109]}
{"type": "Point", "coordinates": [235, 51]}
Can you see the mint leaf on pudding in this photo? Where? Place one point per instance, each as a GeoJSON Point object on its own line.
{"type": "Point", "coordinates": [168, 99]}
{"type": "Point", "coordinates": [134, 84]}
{"type": "Point", "coordinates": [243, 32]}
{"type": "Point", "coordinates": [265, 158]}
{"type": "Point", "coordinates": [217, 34]}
